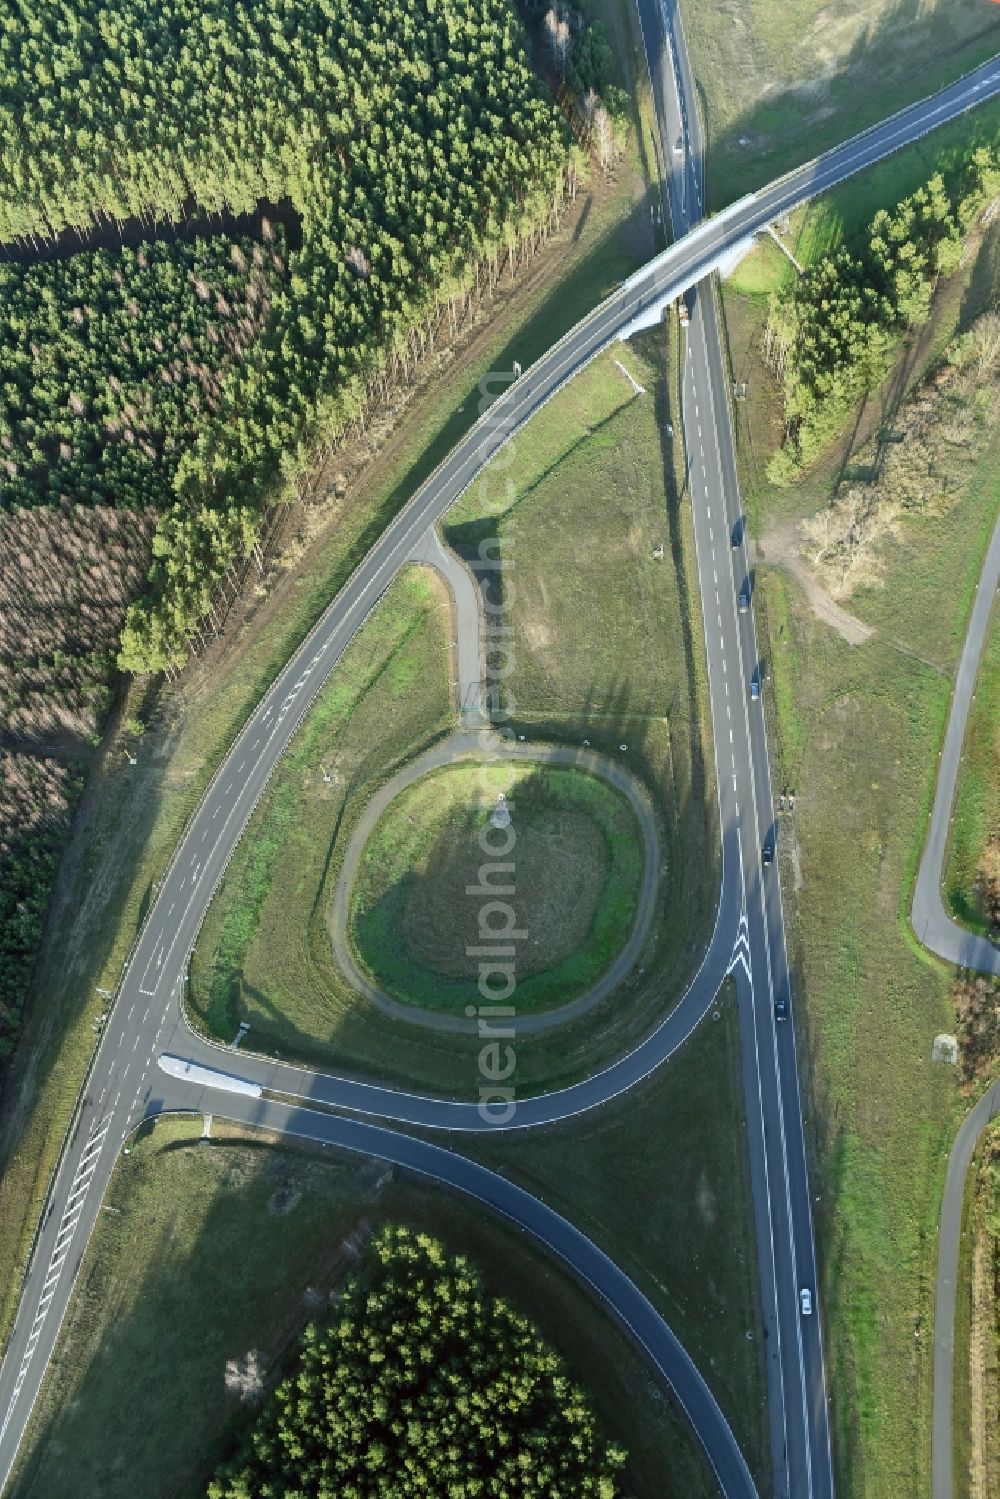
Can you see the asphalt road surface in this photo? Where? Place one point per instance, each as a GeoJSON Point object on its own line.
{"type": "Point", "coordinates": [466, 746]}
{"type": "Point", "coordinates": [801, 1461]}
{"type": "Point", "coordinates": [125, 1084]}
{"type": "Point", "coordinates": [946, 1289]}
{"type": "Point", "coordinates": [950, 941]}
{"type": "Point", "coordinates": [931, 922]}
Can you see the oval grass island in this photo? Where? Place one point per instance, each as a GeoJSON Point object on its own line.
{"type": "Point", "coordinates": [541, 865]}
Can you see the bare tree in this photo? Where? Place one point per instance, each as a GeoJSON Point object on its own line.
{"type": "Point", "coordinates": [560, 40]}
{"type": "Point", "coordinates": [588, 105]}
{"type": "Point", "coordinates": [604, 136]}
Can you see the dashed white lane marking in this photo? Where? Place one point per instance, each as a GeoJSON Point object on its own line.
{"type": "Point", "coordinates": [67, 1227]}
{"type": "Point", "coordinates": [228, 789]}
{"type": "Point", "coordinates": [172, 904]}
{"type": "Point", "coordinates": [215, 814]}
{"type": "Point", "coordinates": [708, 516]}
{"type": "Point", "coordinates": [241, 765]}
{"type": "Point", "coordinates": [130, 1011]}
{"type": "Point", "coordinates": [731, 740]}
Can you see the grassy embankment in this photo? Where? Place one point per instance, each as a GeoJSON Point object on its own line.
{"type": "Point", "coordinates": [213, 1250]}
{"type": "Point", "coordinates": [130, 819]}
{"type": "Point", "coordinates": [857, 731]}
{"type": "Point", "coordinates": [577, 868]}
{"type": "Point", "coordinates": [791, 80]}
{"type": "Point", "coordinates": [971, 874]}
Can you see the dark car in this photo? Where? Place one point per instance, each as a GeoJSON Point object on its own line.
{"type": "Point", "coordinates": [781, 1007]}
{"type": "Point", "coordinates": [767, 852]}
{"type": "Point", "coordinates": [738, 533]}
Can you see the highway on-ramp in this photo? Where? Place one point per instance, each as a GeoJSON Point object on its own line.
{"type": "Point", "coordinates": [125, 1082]}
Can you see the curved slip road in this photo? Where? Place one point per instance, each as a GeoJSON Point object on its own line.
{"type": "Point", "coordinates": [555, 1233]}
{"type": "Point", "coordinates": [467, 748]}
{"type": "Point", "coordinates": [123, 1078]}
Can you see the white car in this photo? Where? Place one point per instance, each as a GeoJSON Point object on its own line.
{"type": "Point", "coordinates": [806, 1301]}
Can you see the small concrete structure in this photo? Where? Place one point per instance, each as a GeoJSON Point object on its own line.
{"type": "Point", "coordinates": [945, 1049]}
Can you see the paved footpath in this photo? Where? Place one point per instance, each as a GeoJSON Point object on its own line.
{"type": "Point", "coordinates": [942, 935]}
{"type": "Point", "coordinates": [932, 924]}
{"type": "Point", "coordinates": [469, 747]}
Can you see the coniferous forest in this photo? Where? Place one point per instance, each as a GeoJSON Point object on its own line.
{"type": "Point", "coordinates": [415, 147]}
{"type": "Point", "coordinates": [421, 1383]}
{"type": "Point", "coordinates": [167, 374]}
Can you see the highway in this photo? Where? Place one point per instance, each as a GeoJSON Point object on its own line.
{"type": "Point", "coordinates": [801, 1460]}
{"type": "Point", "coordinates": [125, 1083]}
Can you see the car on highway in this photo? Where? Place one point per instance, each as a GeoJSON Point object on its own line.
{"type": "Point", "coordinates": [767, 852]}
{"type": "Point", "coordinates": [781, 1007]}
{"type": "Point", "coordinates": [745, 596]}
{"type": "Point", "coordinates": [738, 533]}
{"type": "Point", "coordinates": [806, 1301]}
{"type": "Point", "coordinates": [755, 688]}
{"type": "Point", "coordinates": [679, 146]}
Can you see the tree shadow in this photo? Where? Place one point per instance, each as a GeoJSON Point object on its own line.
{"type": "Point", "coordinates": [561, 883]}
{"type": "Point", "coordinates": [192, 225]}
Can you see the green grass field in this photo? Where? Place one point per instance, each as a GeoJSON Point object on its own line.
{"type": "Point", "coordinates": [388, 698]}
{"type": "Point", "coordinates": [857, 731]}
{"type": "Point", "coordinates": [128, 822]}
{"type": "Point", "coordinates": [577, 866]}
{"type": "Point", "coordinates": [589, 509]}
{"type": "Point", "coordinates": [210, 1251]}
{"type": "Point", "coordinates": [976, 814]}
{"type": "Point", "coordinates": [782, 80]}
{"type": "Point", "coordinates": [605, 643]}
{"type": "Point", "coordinates": [676, 1215]}
{"type": "Point", "coordinates": [842, 215]}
